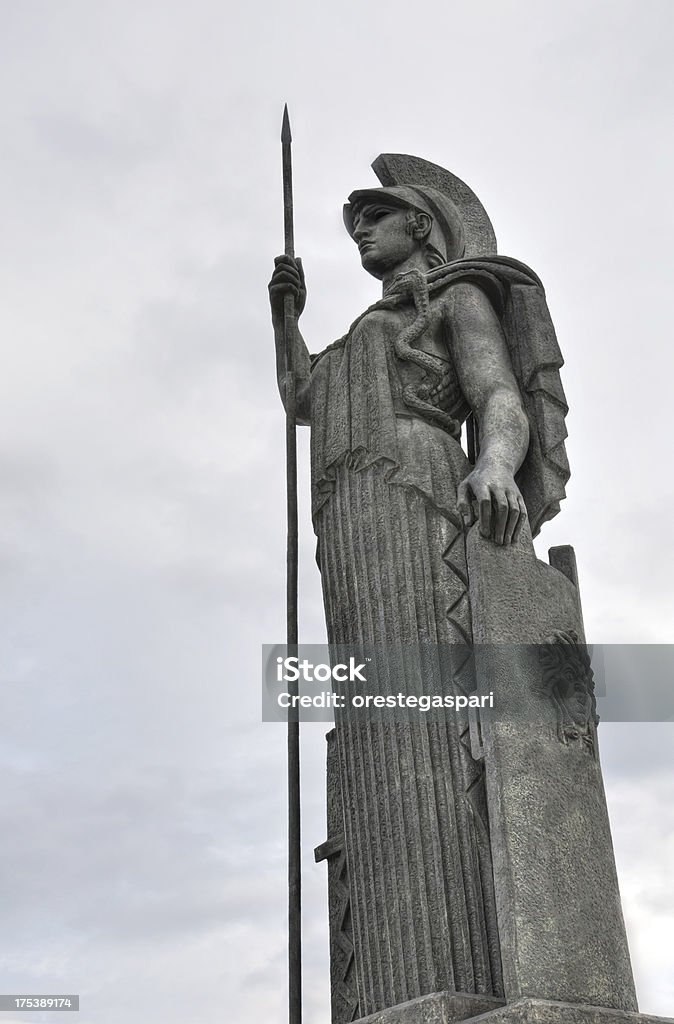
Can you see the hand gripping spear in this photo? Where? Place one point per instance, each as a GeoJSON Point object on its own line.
{"type": "Point", "coordinates": [294, 862]}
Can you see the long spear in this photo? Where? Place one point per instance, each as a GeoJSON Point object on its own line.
{"type": "Point", "coordinates": [294, 861]}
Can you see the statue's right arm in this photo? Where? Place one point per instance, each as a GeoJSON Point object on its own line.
{"type": "Point", "coordinates": [288, 278]}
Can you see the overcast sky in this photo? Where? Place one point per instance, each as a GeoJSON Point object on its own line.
{"type": "Point", "coordinates": [142, 807]}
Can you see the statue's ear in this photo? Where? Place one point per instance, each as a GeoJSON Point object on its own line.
{"type": "Point", "coordinates": [423, 225]}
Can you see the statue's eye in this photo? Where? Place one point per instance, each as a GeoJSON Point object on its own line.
{"type": "Point", "coordinates": [382, 211]}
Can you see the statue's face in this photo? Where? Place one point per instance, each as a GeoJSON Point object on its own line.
{"type": "Point", "coordinates": [384, 238]}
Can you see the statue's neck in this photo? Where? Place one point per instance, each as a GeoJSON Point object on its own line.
{"type": "Point", "coordinates": [417, 261]}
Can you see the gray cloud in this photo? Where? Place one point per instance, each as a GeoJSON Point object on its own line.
{"type": "Point", "coordinates": [141, 442]}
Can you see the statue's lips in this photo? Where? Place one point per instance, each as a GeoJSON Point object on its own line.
{"type": "Point", "coordinates": [364, 246]}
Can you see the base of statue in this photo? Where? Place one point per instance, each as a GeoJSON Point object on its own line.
{"type": "Point", "coordinates": [452, 1007]}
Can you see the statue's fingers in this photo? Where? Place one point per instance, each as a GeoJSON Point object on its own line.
{"type": "Point", "coordinates": [521, 520]}
{"type": "Point", "coordinates": [513, 518]}
{"type": "Point", "coordinates": [285, 268]}
{"type": "Point", "coordinates": [485, 516]}
{"type": "Point", "coordinates": [482, 496]}
{"type": "Point", "coordinates": [284, 280]}
{"type": "Point", "coordinates": [277, 289]}
{"type": "Point", "coordinates": [465, 504]}
{"type": "Point", "coordinates": [500, 520]}
{"type": "Point", "coordinates": [284, 272]}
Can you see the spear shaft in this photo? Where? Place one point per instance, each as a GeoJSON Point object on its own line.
{"type": "Point", "coordinates": [294, 851]}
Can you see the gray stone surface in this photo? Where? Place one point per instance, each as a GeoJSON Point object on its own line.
{"type": "Point", "coordinates": [560, 920]}
{"type": "Point", "coordinates": [436, 1008]}
{"type": "Point", "coordinates": [446, 1008]}
{"type": "Point", "coordinates": [477, 850]}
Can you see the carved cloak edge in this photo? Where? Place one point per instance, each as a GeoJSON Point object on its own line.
{"type": "Point", "coordinates": [536, 359]}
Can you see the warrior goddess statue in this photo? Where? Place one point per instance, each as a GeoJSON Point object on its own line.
{"type": "Point", "coordinates": [461, 338]}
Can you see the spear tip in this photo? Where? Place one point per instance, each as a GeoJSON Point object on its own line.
{"type": "Point", "coordinates": [286, 137]}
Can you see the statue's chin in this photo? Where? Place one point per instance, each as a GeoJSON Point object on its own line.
{"type": "Point", "coordinates": [373, 267]}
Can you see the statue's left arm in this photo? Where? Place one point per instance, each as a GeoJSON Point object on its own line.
{"type": "Point", "coordinates": [483, 364]}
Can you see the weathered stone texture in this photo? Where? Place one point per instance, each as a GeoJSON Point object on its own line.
{"type": "Point", "coordinates": [449, 1008]}
{"type": "Point", "coordinates": [469, 857]}
{"type": "Point", "coordinates": [560, 920]}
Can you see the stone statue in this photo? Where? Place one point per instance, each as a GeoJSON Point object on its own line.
{"type": "Point", "coordinates": [421, 542]}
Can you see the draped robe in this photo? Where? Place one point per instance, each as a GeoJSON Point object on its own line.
{"type": "Point", "coordinates": [391, 550]}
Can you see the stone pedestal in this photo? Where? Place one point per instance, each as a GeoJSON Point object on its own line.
{"type": "Point", "coordinates": [452, 1007]}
